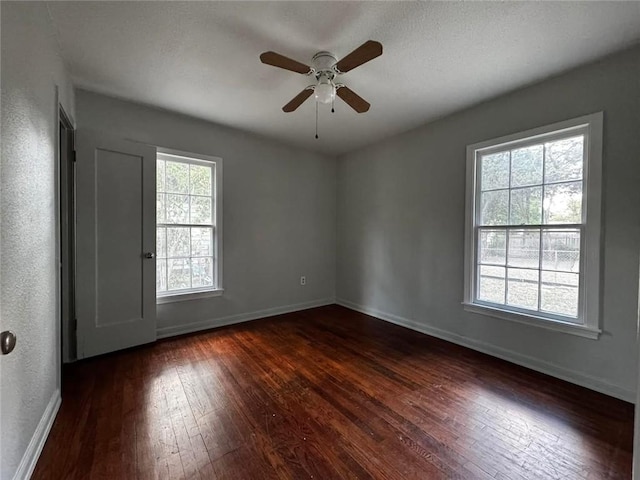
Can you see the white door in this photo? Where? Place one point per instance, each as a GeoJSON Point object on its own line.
{"type": "Point", "coordinates": [116, 291]}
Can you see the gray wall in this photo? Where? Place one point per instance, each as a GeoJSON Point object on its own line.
{"type": "Point", "coordinates": [31, 69]}
{"type": "Point", "coordinates": [278, 213]}
{"type": "Point", "coordinates": [401, 225]}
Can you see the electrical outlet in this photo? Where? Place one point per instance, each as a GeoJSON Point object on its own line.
{"type": "Point", "coordinates": [303, 280]}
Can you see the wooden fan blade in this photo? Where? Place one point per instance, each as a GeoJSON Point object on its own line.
{"type": "Point", "coordinates": [365, 52]}
{"type": "Point", "coordinates": [280, 61]}
{"type": "Point", "coordinates": [352, 99]}
{"type": "Point", "coordinates": [297, 100]}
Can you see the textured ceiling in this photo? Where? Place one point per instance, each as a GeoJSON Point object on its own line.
{"type": "Point", "coordinates": [201, 58]}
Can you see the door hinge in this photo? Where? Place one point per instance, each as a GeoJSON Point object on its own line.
{"type": "Point", "coordinates": [74, 154]}
{"type": "Point", "coordinates": [75, 324]}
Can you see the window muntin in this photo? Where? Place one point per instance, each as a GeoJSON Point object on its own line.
{"type": "Point", "coordinates": [186, 225]}
{"type": "Point", "coordinates": [528, 225]}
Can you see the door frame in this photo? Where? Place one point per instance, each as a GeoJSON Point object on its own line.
{"type": "Point", "coordinates": [636, 429]}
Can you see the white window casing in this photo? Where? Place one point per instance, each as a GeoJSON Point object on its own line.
{"type": "Point", "coordinates": [210, 282]}
{"type": "Point", "coordinates": [585, 321]}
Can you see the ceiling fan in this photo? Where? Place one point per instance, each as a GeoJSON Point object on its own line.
{"type": "Point", "coordinates": [326, 68]}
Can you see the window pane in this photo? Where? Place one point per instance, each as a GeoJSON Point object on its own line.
{"type": "Point", "coordinates": [161, 242]}
{"type": "Point", "coordinates": [561, 250]}
{"type": "Point", "coordinates": [177, 177]}
{"type": "Point", "coordinates": [559, 293]}
{"type": "Point", "coordinates": [524, 248]}
{"type": "Point", "coordinates": [495, 207]}
{"type": "Point", "coordinates": [526, 206]}
{"type": "Point", "coordinates": [493, 246]}
{"type": "Point", "coordinates": [491, 284]}
{"type": "Point", "coordinates": [185, 216]}
{"type": "Point", "coordinates": [201, 210]}
{"type": "Point", "coordinates": [563, 203]}
{"type": "Point", "coordinates": [160, 207]}
{"type": "Point", "coordinates": [161, 275]}
{"type": "Point", "coordinates": [160, 166]}
{"type": "Point", "coordinates": [179, 274]}
{"type": "Point", "coordinates": [526, 166]}
{"type": "Point", "coordinates": [522, 288]}
{"type": "Point", "coordinates": [564, 159]}
{"type": "Point", "coordinates": [178, 241]}
{"type": "Point", "coordinates": [200, 180]}
{"type": "Point", "coordinates": [494, 171]}
{"type": "Point", "coordinates": [177, 209]}
{"type": "Point", "coordinates": [202, 272]}
{"type": "Point", "coordinates": [201, 242]}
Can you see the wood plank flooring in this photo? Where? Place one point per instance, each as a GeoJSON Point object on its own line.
{"type": "Point", "coordinates": [327, 394]}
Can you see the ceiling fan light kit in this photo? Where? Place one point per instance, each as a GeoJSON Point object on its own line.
{"type": "Point", "coordinates": [323, 68]}
{"type": "Point", "coordinates": [325, 91]}
{"type": "Point", "coordinates": [326, 68]}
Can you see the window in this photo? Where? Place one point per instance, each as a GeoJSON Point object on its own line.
{"type": "Point", "coordinates": [188, 236]}
{"type": "Point", "coordinates": [533, 226]}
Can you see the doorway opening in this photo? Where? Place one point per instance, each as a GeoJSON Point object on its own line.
{"type": "Point", "coordinates": [67, 237]}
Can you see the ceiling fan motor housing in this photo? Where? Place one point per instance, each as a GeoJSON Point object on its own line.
{"type": "Point", "coordinates": [323, 63]}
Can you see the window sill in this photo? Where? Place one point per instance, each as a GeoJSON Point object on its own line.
{"type": "Point", "coordinates": [559, 326]}
{"type": "Point", "coordinates": [183, 297]}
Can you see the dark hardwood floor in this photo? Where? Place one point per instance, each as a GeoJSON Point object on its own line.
{"type": "Point", "coordinates": [327, 394]}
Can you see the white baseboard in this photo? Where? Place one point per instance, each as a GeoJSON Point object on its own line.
{"type": "Point", "coordinates": [587, 381]}
{"type": "Point", "coordinates": [174, 330]}
{"type": "Point", "coordinates": [34, 449]}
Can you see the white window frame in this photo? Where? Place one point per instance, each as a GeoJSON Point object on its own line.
{"type": "Point", "coordinates": [588, 324]}
{"type": "Point", "coordinates": [217, 289]}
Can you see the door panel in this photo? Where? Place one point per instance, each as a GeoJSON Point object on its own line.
{"type": "Point", "coordinates": [119, 264]}
{"type": "Point", "coordinates": [115, 228]}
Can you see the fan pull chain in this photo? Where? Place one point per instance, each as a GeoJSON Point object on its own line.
{"type": "Point", "coordinates": [316, 120]}
{"type": "Point", "coordinates": [332, 110]}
